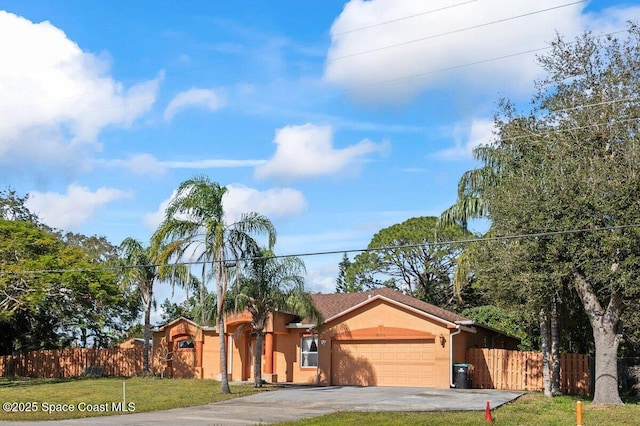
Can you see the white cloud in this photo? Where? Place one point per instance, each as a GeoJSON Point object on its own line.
{"type": "Point", "coordinates": [213, 163]}
{"type": "Point", "coordinates": [147, 164]}
{"type": "Point", "coordinates": [153, 219]}
{"type": "Point", "coordinates": [139, 164]}
{"type": "Point", "coordinates": [612, 19]}
{"type": "Point", "coordinates": [322, 281]}
{"type": "Point", "coordinates": [411, 54]}
{"type": "Point", "coordinates": [466, 138]}
{"type": "Point", "coordinates": [69, 211]}
{"type": "Point", "coordinates": [205, 98]}
{"type": "Point", "coordinates": [56, 98]}
{"type": "Point", "coordinates": [274, 203]}
{"type": "Point", "coordinates": [307, 151]}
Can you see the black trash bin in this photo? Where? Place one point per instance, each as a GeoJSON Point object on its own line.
{"type": "Point", "coordinates": [462, 376]}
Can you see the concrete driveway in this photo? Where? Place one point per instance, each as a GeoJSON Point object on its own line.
{"type": "Point", "coordinates": [298, 402]}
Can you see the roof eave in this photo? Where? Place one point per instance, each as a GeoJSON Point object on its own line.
{"type": "Point", "coordinates": [392, 301]}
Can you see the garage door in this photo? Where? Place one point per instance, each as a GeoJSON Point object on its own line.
{"type": "Point", "coordinates": [388, 363]}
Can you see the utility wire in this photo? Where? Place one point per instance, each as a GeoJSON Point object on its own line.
{"type": "Point", "coordinates": [331, 252]}
{"type": "Point", "coordinates": [260, 53]}
{"type": "Point", "coordinates": [404, 43]}
{"type": "Point", "coordinates": [362, 53]}
{"type": "Point", "coordinates": [347, 89]}
{"type": "Point", "coordinates": [566, 129]}
{"type": "Point", "coordinates": [378, 24]}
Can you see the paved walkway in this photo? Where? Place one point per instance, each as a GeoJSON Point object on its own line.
{"type": "Point", "coordinates": [298, 402]}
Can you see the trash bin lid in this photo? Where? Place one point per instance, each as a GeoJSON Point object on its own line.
{"type": "Point", "coordinates": [461, 365]}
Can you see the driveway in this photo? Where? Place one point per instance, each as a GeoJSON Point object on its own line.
{"type": "Point", "coordinates": [298, 402]}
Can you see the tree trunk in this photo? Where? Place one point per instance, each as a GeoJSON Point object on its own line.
{"type": "Point", "coordinates": [555, 350]}
{"type": "Point", "coordinates": [147, 336]}
{"type": "Point", "coordinates": [544, 348]}
{"type": "Point", "coordinates": [221, 284]}
{"type": "Point", "coordinates": [258, 358]}
{"type": "Point", "coordinates": [203, 299]}
{"type": "Point", "coordinates": [224, 378]}
{"type": "Point", "coordinates": [604, 324]}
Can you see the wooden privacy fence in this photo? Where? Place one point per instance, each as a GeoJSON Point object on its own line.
{"type": "Point", "coordinates": [73, 362]}
{"type": "Point", "coordinates": [515, 370]}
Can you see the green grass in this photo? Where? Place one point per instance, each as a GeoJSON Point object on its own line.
{"type": "Point", "coordinates": [531, 410]}
{"type": "Point", "coordinates": [147, 394]}
{"type": "Point", "coordinates": [153, 394]}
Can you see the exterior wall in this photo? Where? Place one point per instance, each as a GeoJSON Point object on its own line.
{"type": "Point", "coordinates": [210, 356]}
{"type": "Point", "coordinates": [494, 340]}
{"type": "Point", "coordinates": [239, 354]}
{"type": "Point", "coordinates": [201, 361]}
{"type": "Point", "coordinates": [159, 355]}
{"type": "Point", "coordinates": [376, 322]}
{"type": "Point", "coordinates": [283, 350]}
{"type": "Point", "coordinates": [132, 343]}
{"type": "Point", "coordinates": [460, 345]}
{"type": "Point", "coordinates": [287, 358]}
{"type": "Point", "coordinates": [489, 339]}
{"type": "Point", "coordinates": [383, 320]}
{"type": "Point", "coordinates": [279, 322]}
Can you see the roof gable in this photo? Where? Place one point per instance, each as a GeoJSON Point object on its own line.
{"type": "Point", "coordinates": [335, 305]}
{"type": "Point", "coordinates": [188, 321]}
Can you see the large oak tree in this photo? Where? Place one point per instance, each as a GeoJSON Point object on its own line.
{"type": "Point", "coordinates": [573, 163]}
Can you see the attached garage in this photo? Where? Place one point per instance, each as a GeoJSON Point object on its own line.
{"type": "Point", "coordinates": [383, 363]}
{"type": "Point", "coordinates": [380, 337]}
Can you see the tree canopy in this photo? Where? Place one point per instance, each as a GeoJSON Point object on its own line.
{"type": "Point", "coordinates": [53, 292]}
{"type": "Point", "coordinates": [195, 226]}
{"type": "Point", "coordinates": [413, 256]}
{"type": "Point", "coordinates": [567, 171]}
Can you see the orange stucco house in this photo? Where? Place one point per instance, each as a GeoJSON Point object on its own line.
{"type": "Point", "coordinates": [376, 338]}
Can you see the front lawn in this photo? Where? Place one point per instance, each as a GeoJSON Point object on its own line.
{"type": "Point", "coordinates": [104, 396]}
{"type": "Point", "coordinates": [532, 409]}
{"type": "Point", "coordinates": [30, 399]}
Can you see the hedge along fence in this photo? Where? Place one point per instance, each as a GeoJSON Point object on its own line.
{"type": "Point", "coordinates": [73, 362]}
{"type": "Point", "coordinates": [515, 370]}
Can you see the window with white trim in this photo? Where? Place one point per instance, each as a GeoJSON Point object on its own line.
{"type": "Point", "coordinates": [309, 351]}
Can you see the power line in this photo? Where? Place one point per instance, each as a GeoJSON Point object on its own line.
{"type": "Point", "coordinates": [402, 18]}
{"type": "Point", "coordinates": [332, 252]}
{"type": "Point", "coordinates": [139, 100]}
{"type": "Point", "coordinates": [394, 80]}
{"type": "Point", "coordinates": [454, 31]}
{"type": "Point", "coordinates": [263, 52]}
{"type": "Point", "coordinates": [355, 88]}
{"type": "Point", "coordinates": [567, 129]}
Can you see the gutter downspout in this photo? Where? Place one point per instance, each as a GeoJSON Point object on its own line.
{"type": "Point", "coordinates": [458, 331]}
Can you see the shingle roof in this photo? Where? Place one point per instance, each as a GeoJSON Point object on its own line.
{"type": "Point", "coordinates": [331, 305]}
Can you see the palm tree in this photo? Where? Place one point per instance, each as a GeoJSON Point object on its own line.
{"type": "Point", "coordinates": [195, 225]}
{"type": "Point", "coordinates": [140, 272]}
{"type": "Point", "coordinates": [270, 284]}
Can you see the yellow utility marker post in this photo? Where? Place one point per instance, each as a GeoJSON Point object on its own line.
{"type": "Point", "coordinates": [579, 413]}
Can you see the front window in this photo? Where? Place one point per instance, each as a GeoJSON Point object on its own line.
{"type": "Point", "coordinates": [309, 354]}
{"type": "Point", "coordinates": [186, 344]}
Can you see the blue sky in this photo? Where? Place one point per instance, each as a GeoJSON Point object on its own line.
{"type": "Point", "coordinates": [334, 119]}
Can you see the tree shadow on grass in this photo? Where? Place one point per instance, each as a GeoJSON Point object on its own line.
{"type": "Point", "coordinates": [10, 382]}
